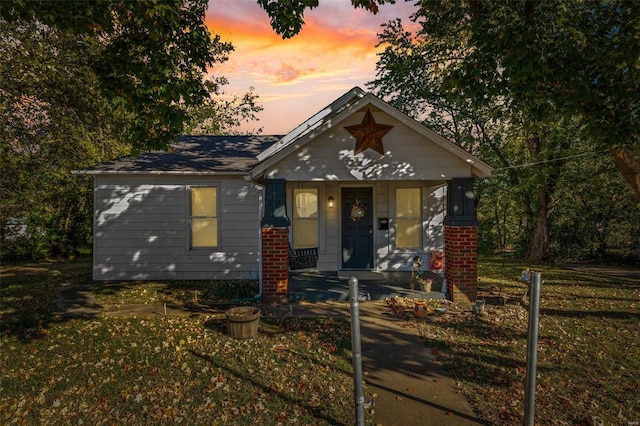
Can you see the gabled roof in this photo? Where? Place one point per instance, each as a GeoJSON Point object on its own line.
{"type": "Point", "coordinates": [194, 155]}
{"type": "Point", "coordinates": [351, 102]}
{"type": "Point", "coordinates": [253, 155]}
{"type": "Point", "coordinates": [316, 121]}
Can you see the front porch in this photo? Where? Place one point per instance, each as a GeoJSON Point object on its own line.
{"type": "Point", "coordinates": [333, 286]}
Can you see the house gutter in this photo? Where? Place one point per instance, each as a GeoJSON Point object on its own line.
{"type": "Point", "coordinates": [259, 295]}
{"type": "Point", "coordinates": [156, 172]}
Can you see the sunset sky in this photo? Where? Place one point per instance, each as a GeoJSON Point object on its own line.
{"type": "Point", "coordinates": [296, 78]}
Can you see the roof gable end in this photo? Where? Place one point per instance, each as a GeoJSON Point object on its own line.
{"type": "Point", "coordinates": [350, 103]}
{"type": "Point", "coordinates": [314, 122]}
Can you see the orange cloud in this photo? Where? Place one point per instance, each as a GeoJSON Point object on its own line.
{"type": "Point", "coordinates": [320, 50]}
{"type": "Point", "coordinates": [295, 78]}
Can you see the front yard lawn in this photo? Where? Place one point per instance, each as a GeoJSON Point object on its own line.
{"type": "Point", "coordinates": [588, 347]}
{"type": "Point", "coordinates": [162, 370]}
{"type": "Point", "coordinates": [188, 370]}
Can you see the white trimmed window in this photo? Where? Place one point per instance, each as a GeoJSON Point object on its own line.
{"type": "Point", "coordinates": [305, 217]}
{"type": "Point", "coordinates": [408, 217]}
{"type": "Point", "coordinates": [204, 216]}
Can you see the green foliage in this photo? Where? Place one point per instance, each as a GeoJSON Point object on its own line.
{"type": "Point", "coordinates": [86, 82]}
{"type": "Point", "coordinates": [222, 116]}
{"type": "Point", "coordinates": [594, 216]}
{"type": "Point", "coordinates": [287, 16]}
{"type": "Point", "coordinates": [150, 57]}
{"type": "Point", "coordinates": [53, 120]}
{"type": "Point", "coordinates": [478, 74]}
{"type": "Point", "coordinates": [547, 58]}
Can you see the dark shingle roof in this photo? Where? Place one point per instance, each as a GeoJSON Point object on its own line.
{"type": "Point", "coordinates": [195, 154]}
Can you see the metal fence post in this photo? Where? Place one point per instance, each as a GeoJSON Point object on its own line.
{"type": "Point", "coordinates": [357, 352]}
{"type": "Point", "coordinates": [532, 349]}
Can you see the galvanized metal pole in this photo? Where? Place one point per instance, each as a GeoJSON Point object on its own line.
{"type": "Point", "coordinates": [357, 351]}
{"type": "Point", "coordinates": [532, 349]}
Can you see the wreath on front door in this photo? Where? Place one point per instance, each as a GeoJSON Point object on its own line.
{"type": "Point", "coordinates": [357, 211]}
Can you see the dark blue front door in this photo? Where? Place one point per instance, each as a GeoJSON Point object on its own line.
{"type": "Point", "coordinates": [357, 228]}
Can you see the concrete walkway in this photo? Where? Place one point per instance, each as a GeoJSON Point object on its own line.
{"type": "Point", "coordinates": [409, 385]}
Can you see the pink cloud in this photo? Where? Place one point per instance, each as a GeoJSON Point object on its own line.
{"type": "Point", "coordinates": [334, 51]}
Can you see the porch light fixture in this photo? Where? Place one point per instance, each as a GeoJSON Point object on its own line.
{"type": "Point", "coordinates": [331, 201]}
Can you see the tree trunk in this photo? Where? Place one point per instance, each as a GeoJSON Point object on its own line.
{"type": "Point", "coordinates": [538, 247]}
{"type": "Point", "coordinates": [547, 175]}
{"type": "Point", "coordinates": [628, 163]}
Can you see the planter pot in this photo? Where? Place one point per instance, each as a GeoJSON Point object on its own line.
{"type": "Point", "coordinates": [243, 321]}
{"type": "Point", "coordinates": [425, 286]}
{"type": "Point", "coordinates": [419, 309]}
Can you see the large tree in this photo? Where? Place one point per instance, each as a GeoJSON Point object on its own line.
{"type": "Point", "coordinates": [53, 119]}
{"type": "Point", "coordinates": [410, 77]}
{"type": "Point", "coordinates": [83, 82]}
{"type": "Point", "coordinates": [548, 57]}
{"type": "Point", "coordinates": [151, 58]}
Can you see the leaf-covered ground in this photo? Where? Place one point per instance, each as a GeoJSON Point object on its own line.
{"type": "Point", "coordinates": [161, 370]}
{"type": "Point", "coordinates": [588, 348]}
{"type": "Point", "coordinates": [171, 370]}
{"type": "Point", "coordinates": [178, 370]}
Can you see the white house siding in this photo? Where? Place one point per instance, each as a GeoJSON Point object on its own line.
{"type": "Point", "coordinates": [410, 160]}
{"type": "Point", "coordinates": [386, 256]}
{"type": "Point", "coordinates": [408, 156]}
{"type": "Point", "coordinates": [141, 229]}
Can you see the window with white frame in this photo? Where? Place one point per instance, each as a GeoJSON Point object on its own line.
{"type": "Point", "coordinates": [408, 217]}
{"type": "Point", "coordinates": [204, 216]}
{"type": "Point", "coordinates": [305, 217]}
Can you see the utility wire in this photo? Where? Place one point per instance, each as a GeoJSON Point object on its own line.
{"type": "Point", "coordinates": [584, 154]}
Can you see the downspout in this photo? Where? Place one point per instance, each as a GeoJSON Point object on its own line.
{"type": "Point", "coordinates": [260, 214]}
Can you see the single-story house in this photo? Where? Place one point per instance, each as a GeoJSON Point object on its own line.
{"type": "Point", "coordinates": [361, 183]}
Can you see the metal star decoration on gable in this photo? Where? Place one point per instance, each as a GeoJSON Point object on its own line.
{"type": "Point", "coordinates": [368, 134]}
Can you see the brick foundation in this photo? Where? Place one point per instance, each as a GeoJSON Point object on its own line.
{"type": "Point", "coordinates": [461, 262]}
{"type": "Point", "coordinates": [275, 265]}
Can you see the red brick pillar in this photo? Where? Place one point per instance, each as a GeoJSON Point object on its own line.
{"type": "Point", "coordinates": [461, 262]}
{"type": "Point", "coordinates": [275, 265]}
{"type": "Point", "coordinates": [275, 243]}
{"type": "Point", "coordinates": [461, 241]}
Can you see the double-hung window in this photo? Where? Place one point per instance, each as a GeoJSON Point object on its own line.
{"type": "Point", "coordinates": [408, 217]}
{"type": "Point", "coordinates": [305, 217]}
{"type": "Point", "coordinates": [204, 216]}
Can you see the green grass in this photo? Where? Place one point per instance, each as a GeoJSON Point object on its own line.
{"type": "Point", "coordinates": [161, 370]}
{"type": "Point", "coordinates": [187, 369]}
{"type": "Point", "coordinates": [144, 292]}
{"type": "Point", "coordinates": [175, 369]}
{"type": "Point", "coordinates": [588, 348]}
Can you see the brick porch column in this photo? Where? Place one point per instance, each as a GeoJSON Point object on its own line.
{"type": "Point", "coordinates": [461, 261]}
{"type": "Point", "coordinates": [275, 265]}
{"type": "Point", "coordinates": [461, 241]}
{"type": "Point", "coordinates": [275, 243]}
